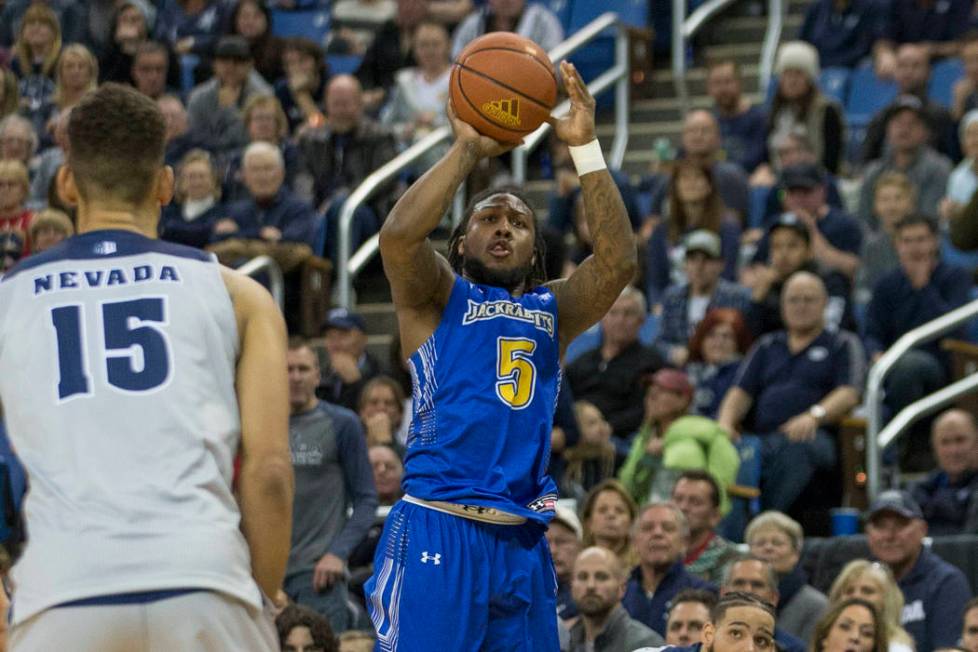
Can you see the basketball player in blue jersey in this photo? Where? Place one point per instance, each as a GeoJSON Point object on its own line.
{"type": "Point", "coordinates": [131, 373]}
{"type": "Point", "coordinates": [463, 564]}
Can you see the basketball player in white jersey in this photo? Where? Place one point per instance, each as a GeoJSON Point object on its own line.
{"type": "Point", "coordinates": [131, 373]}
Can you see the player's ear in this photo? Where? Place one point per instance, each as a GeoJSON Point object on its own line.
{"type": "Point", "coordinates": [460, 249]}
{"type": "Point", "coordinates": [164, 185]}
{"type": "Point", "coordinates": [66, 187]}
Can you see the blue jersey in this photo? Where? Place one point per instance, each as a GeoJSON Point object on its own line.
{"type": "Point", "coordinates": [485, 386]}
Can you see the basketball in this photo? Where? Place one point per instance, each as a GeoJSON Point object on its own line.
{"type": "Point", "coordinates": [503, 85]}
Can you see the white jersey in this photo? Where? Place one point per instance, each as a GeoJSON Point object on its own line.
{"type": "Point", "coordinates": [117, 370]}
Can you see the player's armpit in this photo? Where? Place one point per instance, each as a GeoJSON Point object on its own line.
{"type": "Point", "coordinates": [584, 297]}
{"type": "Point", "coordinates": [265, 483]}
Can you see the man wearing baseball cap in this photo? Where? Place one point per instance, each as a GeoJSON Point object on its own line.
{"type": "Point", "coordinates": [685, 305]}
{"type": "Point", "coordinates": [350, 365]}
{"type": "Point", "coordinates": [564, 536]}
{"type": "Point", "coordinates": [934, 591]}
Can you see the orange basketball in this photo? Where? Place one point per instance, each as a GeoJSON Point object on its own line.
{"type": "Point", "coordinates": [503, 85]}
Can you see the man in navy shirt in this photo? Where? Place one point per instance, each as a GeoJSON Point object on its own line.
{"type": "Point", "coordinates": [743, 126]}
{"type": "Point", "coordinates": [921, 289]}
{"type": "Point", "coordinates": [791, 388]}
{"type": "Point", "coordinates": [934, 591]}
{"type": "Point", "coordinates": [936, 24]}
{"type": "Point", "coordinates": [843, 31]}
{"type": "Point", "coordinates": [948, 497]}
{"type": "Point", "coordinates": [660, 537]}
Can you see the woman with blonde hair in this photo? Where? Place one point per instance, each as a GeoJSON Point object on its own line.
{"type": "Point", "coordinates": [9, 93]}
{"type": "Point", "coordinates": [36, 52]}
{"type": "Point", "coordinates": [874, 583]}
{"type": "Point", "coordinates": [189, 219]}
{"type": "Point", "coordinates": [853, 625]}
{"type": "Point", "coordinates": [48, 228]}
{"type": "Point", "coordinates": [75, 75]}
{"type": "Point", "coordinates": [607, 516]}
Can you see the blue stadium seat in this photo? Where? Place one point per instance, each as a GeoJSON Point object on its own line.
{"type": "Point", "coordinates": [599, 55]}
{"type": "Point", "coordinates": [312, 24]}
{"type": "Point", "coordinates": [867, 95]}
{"type": "Point", "coordinates": [343, 64]}
{"type": "Point", "coordinates": [942, 78]}
{"type": "Point", "coordinates": [834, 82]}
{"type": "Point", "coordinates": [188, 66]}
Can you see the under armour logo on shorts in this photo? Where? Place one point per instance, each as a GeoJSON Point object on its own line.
{"type": "Point", "coordinates": [425, 558]}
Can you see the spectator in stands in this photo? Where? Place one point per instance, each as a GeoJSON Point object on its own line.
{"type": "Point", "coordinates": [196, 207]}
{"type": "Point", "coordinates": [964, 95]}
{"type": "Point", "coordinates": [9, 93]}
{"type": "Point", "coordinates": [660, 537]}
{"type": "Point", "coordinates": [214, 109]}
{"type": "Point", "coordinates": [842, 32]}
{"type": "Point", "coordinates": [670, 441]}
{"type": "Point", "coordinates": [948, 496]}
{"type": "Point", "coordinates": [694, 204]}
{"type": "Point", "coordinates": [150, 69]}
{"type": "Point", "coordinates": [684, 305]}
{"type": "Point", "coordinates": [271, 212]}
{"type": "Point", "coordinates": [743, 126]}
{"type": "Point", "coordinates": [912, 76]}
{"type": "Point", "coordinates": [75, 74]}
{"type": "Point", "coordinates": [332, 474]}
{"type": "Point", "coordinates": [131, 24]}
{"type": "Point", "coordinates": [852, 624]}
{"type": "Point", "coordinates": [355, 24]}
{"type": "Point", "coordinates": [738, 621]}
{"type": "Point", "coordinates": [969, 631]}
{"type": "Point", "coordinates": [303, 630]}
{"type": "Point", "coordinates": [701, 147]}
{"type": "Point", "coordinates": [756, 576]}
{"type": "Point", "coordinates": [906, 150]}
{"type": "Point", "coordinates": [697, 493]}
{"type": "Point", "coordinates": [936, 26]}
{"type": "Point", "coordinates": [608, 515]}
{"type": "Point", "coordinates": [893, 199]}
{"type": "Point", "coordinates": [390, 51]}
{"type": "Point", "coordinates": [48, 228]}
{"type": "Point", "coordinates": [302, 89]}
{"type": "Point", "coordinates": [963, 182]}
{"type": "Point", "coordinates": [350, 365]}
{"type": "Point", "coordinates": [264, 121]}
{"type": "Point", "coordinates": [357, 641]}
{"type": "Point", "coordinates": [380, 406]}
{"type": "Point", "coordinates": [598, 586]}
{"type": "Point", "coordinates": [689, 612]}
{"type": "Point", "coordinates": [934, 591]}
{"type": "Point", "coordinates": [46, 166]}
{"type": "Point", "coordinates": [716, 348]}
{"type": "Point", "coordinates": [592, 459]}
{"type": "Point", "coordinates": [18, 140]}
{"type": "Point", "coordinates": [252, 19]}
{"type": "Point", "coordinates": [337, 157]}
{"type": "Point", "coordinates": [778, 540]}
{"type": "Point", "coordinates": [789, 251]}
{"type": "Point", "coordinates": [15, 218]}
{"type": "Point", "coordinates": [417, 101]}
{"type": "Point", "coordinates": [449, 12]}
{"type": "Point", "coordinates": [609, 376]}
{"type": "Point", "coordinates": [799, 103]}
{"type": "Point", "coordinates": [874, 583]}
{"type": "Point", "coordinates": [35, 55]}
{"type": "Point", "coordinates": [179, 139]}
{"type": "Point", "coordinates": [564, 538]}
{"type": "Point", "coordinates": [388, 471]}
{"type": "Point", "coordinates": [191, 26]}
{"type": "Point", "coordinates": [920, 290]}
{"type": "Point", "coordinates": [534, 21]}
{"type": "Point", "coordinates": [70, 14]}
{"type": "Point", "coordinates": [796, 384]}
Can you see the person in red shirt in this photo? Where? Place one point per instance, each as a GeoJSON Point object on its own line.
{"type": "Point", "coordinates": [15, 219]}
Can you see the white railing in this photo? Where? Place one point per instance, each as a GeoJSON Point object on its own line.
{"type": "Point", "coordinates": [685, 28]}
{"type": "Point", "coordinates": [349, 264]}
{"type": "Point", "coordinates": [878, 437]}
{"type": "Point", "coordinates": [267, 264]}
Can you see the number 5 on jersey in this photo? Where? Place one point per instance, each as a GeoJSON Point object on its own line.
{"type": "Point", "coordinates": [516, 372]}
{"type": "Point", "coordinates": [135, 349]}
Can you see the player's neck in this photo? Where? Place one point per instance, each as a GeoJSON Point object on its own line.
{"type": "Point", "coordinates": [98, 218]}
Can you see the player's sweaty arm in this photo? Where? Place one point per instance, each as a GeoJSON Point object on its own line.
{"type": "Point", "coordinates": [584, 297]}
{"type": "Point", "coordinates": [265, 482]}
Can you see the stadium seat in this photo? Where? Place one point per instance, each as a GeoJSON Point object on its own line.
{"type": "Point", "coordinates": [758, 204]}
{"type": "Point", "coordinates": [834, 82]}
{"type": "Point", "coordinates": [312, 24]}
{"type": "Point", "coordinates": [599, 54]}
{"type": "Point", "coordinates": [188, 68]}
{"type": "Point", "coordinates": [867, 95]}
{"type": "Point", "coordinates": [942, 78]}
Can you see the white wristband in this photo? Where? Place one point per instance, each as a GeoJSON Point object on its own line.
{"type": "Point", "coordinates": [588, 158]}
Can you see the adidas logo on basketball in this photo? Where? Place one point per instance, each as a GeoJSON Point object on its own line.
{"type": "Point", "coordinates": [505, 111]}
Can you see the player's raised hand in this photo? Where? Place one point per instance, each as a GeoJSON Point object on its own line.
{"type": "Point", "coordinates": [465, 133]}
{"type": "Point", "coordinates": [577, 127]}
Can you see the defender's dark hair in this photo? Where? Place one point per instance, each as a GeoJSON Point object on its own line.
{"type": "Point", "coordinates": [538, 272]}
{"type": "Point", "coordinates": [738, 599]}
{"type": "Point", "coordinates": [117, 140]}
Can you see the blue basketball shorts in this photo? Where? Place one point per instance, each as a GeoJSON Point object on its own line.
{"type": "Point", "coordinates": [447, 583]}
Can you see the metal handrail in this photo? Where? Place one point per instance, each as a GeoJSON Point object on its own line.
{"type": "Point", "coordinates": [345, 263]}
{"type": "Point", "coordinates": [684, 28]}
{"type": "Point", "coordinates": [924, 407]}
{"type": "Point", "coordinates": [260, 264]}
{"type": "Point", "coordinates": [618, 75]}
{"type": "Point", "coordinates": [875, 443]}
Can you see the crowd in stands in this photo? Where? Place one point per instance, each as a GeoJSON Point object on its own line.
{"type": "Point", "coordinates": [786, 247]}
